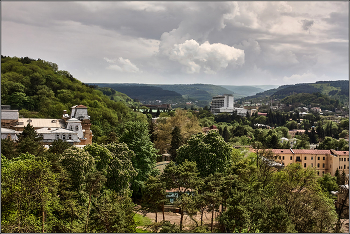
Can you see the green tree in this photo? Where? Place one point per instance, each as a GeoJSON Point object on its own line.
{"type": "Point", "coordinates": [113, 213]}
{"type": "Point", "coordinates": [176, 142]}
{"type": "Point", "coordinates": [303, 142]}
{"type": "Point", "coordinates": [182, 178]}
{"type": "Point", "coordinates": [59, 146]}
{"type": "Point", "coordinates": [8, 148]}
{"type": "Point", "coordinates": [226, 134]}
{"type": "Point", "coordinates": [328, 183]}
{"type": "Point", "coordinates": [28, 194]}
{"type": "Point", "coordinates": [210, 152]}
{"type": "Point", "coordinates": [136, 136]}
{"type": "Point", "coordinates": [78, 164]}
{"type": "Point", "coordinates": [94, 183]}
{"type": "Point", "coordinates": [29, 141]}
{"type": "Point", "coordinates": [211, 194]}
{"type": "Point", "coordinates": [300, 193]}
{"type": "Point", "coordinates": [153, 197]}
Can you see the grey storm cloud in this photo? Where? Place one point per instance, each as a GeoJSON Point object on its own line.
{"type": "Point", "coordinates": [306, 24]}
{"type": "Point", "coordinates": [244, 42]}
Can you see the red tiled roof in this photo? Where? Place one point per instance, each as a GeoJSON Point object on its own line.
{"type": "Point", "coordinates": [310, 151]}
{"type": "Point", "coordinates": [342, 152]}
{"type": "Point", "coordinates": [80, 106]}
{"type": "Point", "coordinates": [278, 151]}
{"type": "Point", "coordinates": [213, 127]}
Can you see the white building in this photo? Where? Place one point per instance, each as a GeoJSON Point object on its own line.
{"type": "Point", "coordinates": [74, 129]}
{"type": "Point", "coordinates": [9, 134]}
{"type": "Point", "coordinates": [222, 103]}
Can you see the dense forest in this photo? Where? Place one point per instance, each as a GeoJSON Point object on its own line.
{"type": "Point", "coordinates": [38, 89]}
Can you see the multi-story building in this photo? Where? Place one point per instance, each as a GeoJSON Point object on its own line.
{"type": "Point", "coordinates": [74, 129]}
{"type": "Point", "coordinates": [324, 161]}
{"type": "Point", "coordinates": [222, 103]}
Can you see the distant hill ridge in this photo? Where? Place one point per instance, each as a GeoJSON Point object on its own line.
{"type": "Point", "coordinates": [334, 89]}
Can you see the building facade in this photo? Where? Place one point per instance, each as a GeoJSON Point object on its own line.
{"type": "Point", "coordinates": [222, 103]}
{"type": "Point", "coordinates": [324, 161]}
{"type": "Point", "coordinates": [74, 129]}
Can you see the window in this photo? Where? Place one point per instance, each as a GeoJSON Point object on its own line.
{"type": "Point", "coordinates": [57, 136]}
{"type": "Point", "coordinates": [63, 137]}
{"type": "Point", "coordinates": [312, 158]}
{"type": "Point", "coordinates": [304, 164]}
{"type": "Point", "coordinates": [339, 167]}
{"type": "Point", "coordinates": [283, 157]}
{"type": "Point", "coordinates": [76, 128]}
{"type": "Point", "coordinates": [348, 159]}
{"type": "Point", "coordinates": [291, 158]}
{"type": "Point", "coordinates": [70, 137]}
{"type": "Point", "coordinates": [318, 158]}
{"type": "Point", "coordinates": [323, 165]}
{"type": "Point", "coordinates": [279, 157]}
{"type": "Point", "coordinates": [305, 158]}
{"type": "Point", "coordinates": [318, 165]}
{"type": "Point", "coordinates": [339, 159]}
{"type": "Point", "coordinates": [322, 172]}
{"type": "Point", "coordinates": [318, 173]}
{"type": "Point", "coordinates": [324, 158]}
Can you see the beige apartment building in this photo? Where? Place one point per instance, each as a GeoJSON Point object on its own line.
{"type": "Point", "coordinates": [324, 161]}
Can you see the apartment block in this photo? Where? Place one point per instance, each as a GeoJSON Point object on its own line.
{"type": "Point", "coordinates": [324, 161]}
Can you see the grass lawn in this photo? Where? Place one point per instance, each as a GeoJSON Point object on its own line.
{"type": "Point", "coordinates": [140, 220]}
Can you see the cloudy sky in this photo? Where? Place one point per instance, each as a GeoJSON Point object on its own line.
{"type": "Point", "coordinates": [232, 43]}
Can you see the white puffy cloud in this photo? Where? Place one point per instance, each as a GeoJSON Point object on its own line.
{"type": "Point", "coordinates": [122, 65]}
{"type": "Point", "coordinates": [210, 57]}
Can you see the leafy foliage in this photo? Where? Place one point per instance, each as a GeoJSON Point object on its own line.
{"type": "Point", "coordinates": [38, 86]}
{"type": "Point", "coordinates": [210, 152]}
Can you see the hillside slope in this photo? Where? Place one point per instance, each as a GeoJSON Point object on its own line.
{"type": "Point", "coordinates": [338, 90]}
{"type": "Point", "coordinates": [39, 90]}
{"type": "Point", "coordinates": [142, 92]}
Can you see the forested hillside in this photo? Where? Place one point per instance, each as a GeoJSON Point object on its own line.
{"type": "Point", "coordinates": [203, 92]}
{"type": "Point", "coordinates": [179, 93]}
{"type": "Point", "coordinates": [38, 89]}
{"type": "Point", "coordinates": [337, 90]}
{"type": "Point", "coordinates": [143, 92]}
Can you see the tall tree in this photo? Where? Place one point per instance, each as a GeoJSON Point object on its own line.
{"type": "Point", "coordinates": [153, 197]}
{"type": "Point", "coordinates": [136, 136]}
{"type": "Point", "coordinates": [183, 179]}
{"type": "Point", "coordinates": [29, 141]}
{"type": "Point", "coordinates": [176, 142]}
{"type": "Point", "coordinates": [94, 182]}
{"type": "Point", "coordinates": [226, 134]}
